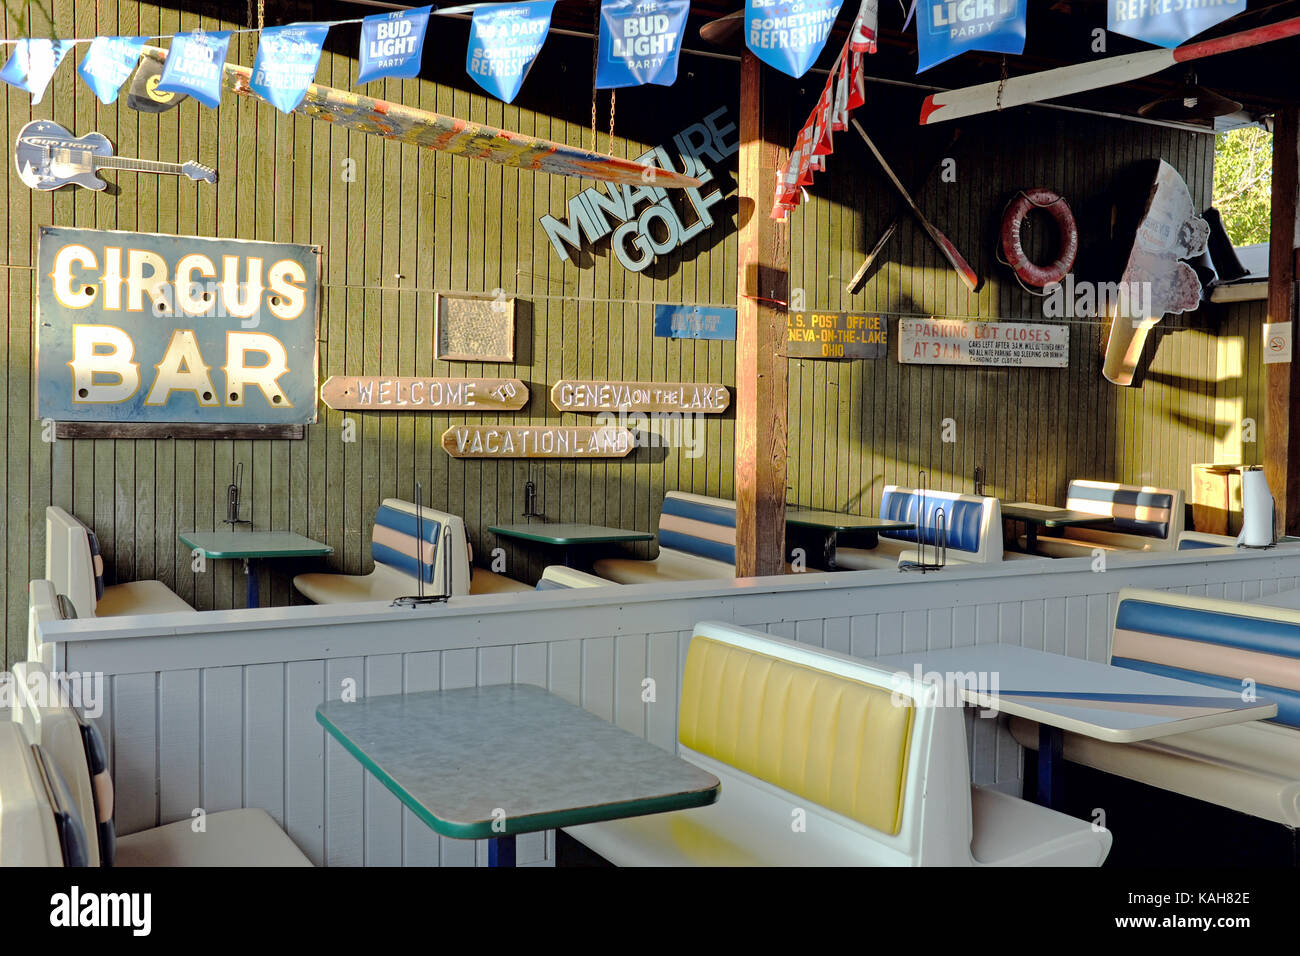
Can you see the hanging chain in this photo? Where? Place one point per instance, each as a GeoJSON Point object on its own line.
{"type": "Point", "coordinates": [595, 65]}
{"type": "Point", "coordinates": [1002, 83]}
{"type": "Point", "coordinates": [611, 122]}
{"type": "Point", "coordinates": [261, 13]}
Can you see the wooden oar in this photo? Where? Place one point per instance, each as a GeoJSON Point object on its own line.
{"type": "Point", "coordinates": [860, 277]}
{"type": "Point", "coordinates": [962, 267]}
{"type": "Point", "coordinates": [1081, 77]}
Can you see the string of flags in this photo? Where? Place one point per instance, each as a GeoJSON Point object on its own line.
{"type": "Point", "coordinates": [639, 42]}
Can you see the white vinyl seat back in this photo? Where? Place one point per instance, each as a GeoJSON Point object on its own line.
{"type": "Point", "coordinates": [42, 608]}
{"type": "Point", "coordinates": [38, 824]}
{"type": "Point", "coordinates": [72, 560]}
{"type": "Point", "coordinates": [43, 708]}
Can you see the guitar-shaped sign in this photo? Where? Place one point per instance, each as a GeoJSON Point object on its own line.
{"type": "Point", "coordinates": [48, 156]}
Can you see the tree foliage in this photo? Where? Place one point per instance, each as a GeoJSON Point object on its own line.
{"type": "Point", "coordinates": [1243, 179]}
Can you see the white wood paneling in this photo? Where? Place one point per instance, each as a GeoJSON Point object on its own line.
{"type": "Point", "coordinates": [218, 709]}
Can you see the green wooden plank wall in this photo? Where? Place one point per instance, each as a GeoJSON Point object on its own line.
{"type": "Point", "coordinates": [414, 222]}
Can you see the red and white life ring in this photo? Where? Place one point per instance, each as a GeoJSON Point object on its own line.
{"type": "Point", "coordinates": [1013, 250]}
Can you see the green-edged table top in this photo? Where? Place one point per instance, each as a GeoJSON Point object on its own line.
{"type": "Point", "coordinates": [511, 754]}
{"type": "Point", "coordinates": [253, 544]}
{"type": "Point", "coordinates": [563, 534]}
{"type": "Point", "coordinates": [834, 521]}
{"type": "Point", "coordinates": [1049, 516]}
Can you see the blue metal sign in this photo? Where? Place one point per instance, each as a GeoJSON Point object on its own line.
{"type": "Point", "coordinates": [136, 327]}
{"type": "Point", "coordinates": [695, 322]}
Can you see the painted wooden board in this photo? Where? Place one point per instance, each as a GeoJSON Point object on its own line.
{"type": "Point", "coordinates": [569, 395]}
{"type": "Point", "coordinates": [1006, 344]}
{"type": "Point", "coordinates": [406, 393]}
{"type": "Point", "coordinates": [537, 441]}
{"type": "Point", "coordinates": [366, 114]}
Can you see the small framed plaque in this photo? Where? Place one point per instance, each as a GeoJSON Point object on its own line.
{"type": "Point", "coordinates": [469, 327]}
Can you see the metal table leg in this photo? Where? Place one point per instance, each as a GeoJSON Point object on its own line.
{"type": "Point", "coordinates": [1051, 766]}
{"type": "Point", "coordinates": [501, 851]}
{"type": "Point", "coordinates": [250, 570]}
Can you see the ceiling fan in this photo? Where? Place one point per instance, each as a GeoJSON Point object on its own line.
{"type": "Point", "coordinates": [1188, 103]}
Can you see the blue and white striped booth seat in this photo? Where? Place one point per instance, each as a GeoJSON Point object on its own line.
{"type": "Point", "coordinates": [408, 544]}
{"type": "Point", "coordinates": [1200, 540]}
{"type": "Point", "coordinates": [1253, 768]}
{"type": "Point", "coordinates": [74, 566]}
{"type": "Point", "coordinates": [974, 524]}
{"type": "Point", "coordinates": [697, 541]}
{"type": "Point", "coordinates": [1143, 518]}
{"type": "Point", "coordinates": [557, 577]}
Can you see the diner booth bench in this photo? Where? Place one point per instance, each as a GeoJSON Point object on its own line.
{"type": "Point", "coordinates": [697, 541]}
{"type": "Point", "coordinates": [974, 530]}
{"type": "Point", "coordinates": [402, 558]}
{"type": "Point", "coordinates": [79, 817]}
{"type": "Point", "coordinates": [557, 577]}
{"type": "Point", "coordinates": [74, 565]}
{"type": "Point", "coordinates": [1142, 518]}
{"type": "Point", "coordinates": [826, 759]}
{"type": "Point", "coordinates": [1253, 768]}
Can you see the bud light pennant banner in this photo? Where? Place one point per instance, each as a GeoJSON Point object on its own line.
{"type": "Point", "coordinates": [194, 66]}
{"type": "Point", "coordinates": [947, 28]}
{"type": "Point", "coordinates": [108, 63]}
{"type": "Point", "coordinates": [504, 39]}
{"type": "Point", "coordinates": [32, 64]}
{"type": "Point", "coordinates": [789, 34]}
{"type": "Point", "coordinates": [1168, 23]}
{"type": "Point", "coordinates": [286, 63]}
{"type": "Point", "coordinates": [135, 327]}
{"type": "Point", "coordinates": [392, 44]}
{"type": "Point", "coordinates": [639, 42]}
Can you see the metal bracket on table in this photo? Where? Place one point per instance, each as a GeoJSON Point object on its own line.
{"type": "Point", "coordinates": [939, 527]}
{"type": "Point", "coordinates": [421, 599]}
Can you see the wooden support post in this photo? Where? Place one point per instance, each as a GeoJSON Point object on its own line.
{"type": "Point", "coordinates": [1282, 395]}
{"type": "Point", "coordinates": [763, 290]}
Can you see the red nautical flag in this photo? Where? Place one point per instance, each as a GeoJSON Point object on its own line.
{"type": "Point", "coordinates": [822, 119]}
{"type": "Point", "coordinates": [840, 113]}
{"type": "Point", "coordinates": [857, 82]}
{"type": "Point", "coordinates": [862, 38]}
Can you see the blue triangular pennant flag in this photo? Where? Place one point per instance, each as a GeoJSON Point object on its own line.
{"type": "Point", "coordinates": [287, 58]}
{"type": "Point", "coordinates": [1167, 25]}
{"type": "Point", "coordinates": [194, 65]}
{"type": "Point", "coordinates": [639, 42]}
{"type": "Point", "coordinates": [392, 44]}
{"type": "Point", "coordinates": [504, 39]}
{"type": "Point", "coordinates": [32, 65]}
{"type": "Point", "coordinates": [789, 34]}
{"type": "Point", "coordinates": [108, 63]}
{"type": "Point", "coordinates": [948, 28]}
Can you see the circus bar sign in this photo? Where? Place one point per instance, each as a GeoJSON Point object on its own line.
{"type": "Point", "coordinates": [953, 342]}
{"type": "Point", "coordinates": [536, 441]}
{"type": "Point", "coordinates": [414, 394]}
{"type": "Point", "coordinates": [135, 327]}
{"type": "Point", "coordinates": [573, 396]}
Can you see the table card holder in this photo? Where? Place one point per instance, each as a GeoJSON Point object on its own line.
{"type": "Point", "coordinates": [420, 598]}
{"type": "Point", "coordinates": [940, 528]}
{"type": "Point", "coordinates": [233, 491]}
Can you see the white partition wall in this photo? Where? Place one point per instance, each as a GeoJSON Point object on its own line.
{"type": "Point", "coordinates": [216, 710]}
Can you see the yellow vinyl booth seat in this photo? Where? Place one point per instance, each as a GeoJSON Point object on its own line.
{"type": "Point", "coordinates": [829, 760]}
{"type": "Point", "coordinates": [73, 750]}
